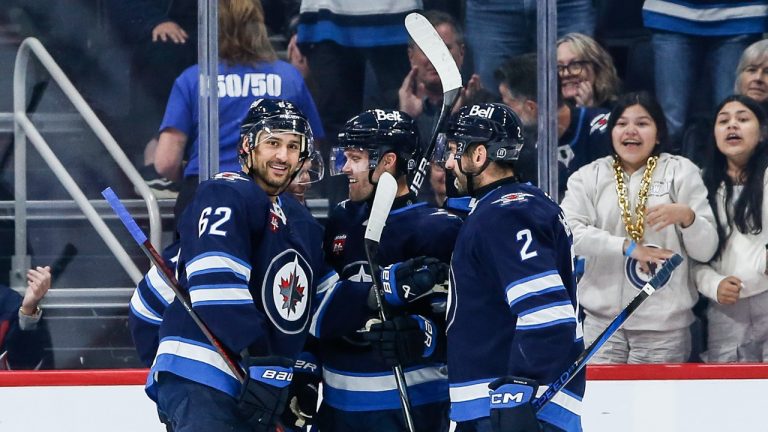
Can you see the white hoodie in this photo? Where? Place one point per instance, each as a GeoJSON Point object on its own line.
{"type": "Point", "coordinates": [591, 207]}
{"type": "Point", "coordinates": [743, 255]}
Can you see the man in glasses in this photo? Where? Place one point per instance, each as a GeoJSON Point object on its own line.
{"type": "Point", "coordinates": [512, 266]}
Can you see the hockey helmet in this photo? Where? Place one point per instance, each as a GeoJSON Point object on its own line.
{"type": "Point", "coordinates": [275, 116]}
{"type": "Point", "coordinates": [492, 124]}
{"type": "Point", "coordinates": [378, 132]}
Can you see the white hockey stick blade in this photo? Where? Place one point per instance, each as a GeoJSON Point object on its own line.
{"type": "Point", "coordinates": [426, 37]}
{"type": "Point", "coordinates": [382, 203]}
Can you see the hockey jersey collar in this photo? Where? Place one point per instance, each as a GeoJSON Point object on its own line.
{"type": "Point", "coordinates": [483, 191]}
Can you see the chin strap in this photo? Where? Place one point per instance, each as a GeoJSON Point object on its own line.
{"type": "Point", "coordinates": [470, 176]}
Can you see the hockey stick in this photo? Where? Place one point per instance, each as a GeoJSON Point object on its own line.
{"type": "Point", "coordinates": [382, 203]}
{"type": "Point", "coordinates": [170, 279]}
{"type": "Point", "coordinates": [657, 280]}
{"type": "Point", "coordinates": [431, 44]}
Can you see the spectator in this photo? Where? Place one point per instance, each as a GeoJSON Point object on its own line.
{"type": "Point", "coordinates": [752, 72]}
{"type": "Point", "coordinates": [341, 39]}
{"type": "Point", "coordinates": [735, 280]}
{"type": "Point", "coordinates": [23, 337]}
{"type": "Point", "coordinates": [581, 130]}
{"type": "Point", "coordinates": [500, 29]}
{"type": "Point", "coordinates": [586, 71]}
{"type": "Point", "coordinates": [249, 70]}
{"type": "Point", "coordinates": [623, 242]}
{"type": "Point", "coordinates": [694, 36]}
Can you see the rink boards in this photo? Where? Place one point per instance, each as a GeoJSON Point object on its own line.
{"type": "Point", "coordinates": [659, 398]}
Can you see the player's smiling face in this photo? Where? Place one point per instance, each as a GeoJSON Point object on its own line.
{"type": "Point", "coordinates": [356, 169]}
{"type": "Point", "coordinates": [634, 137]}
{"type": "Point", "coordinates": [274, 159]}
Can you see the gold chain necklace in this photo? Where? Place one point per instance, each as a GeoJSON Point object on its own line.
{"type": "Point", "coordinates": [637, 229]}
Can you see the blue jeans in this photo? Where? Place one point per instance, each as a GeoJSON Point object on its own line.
{"type": "Point", "coordinates": [497, 30]}
{"type": "Point", "coordinates": [193, 407]}
{"type": "Point", "coordinates": [680, 58]}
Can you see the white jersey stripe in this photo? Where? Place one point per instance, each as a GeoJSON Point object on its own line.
{"type": "Point", "coordinates": [546, 316]}
{"type": "Point", "coordinates": [563, 399]}
{"type": "Point", "coordinates": [139, 307]}
{"type": "Point", "coordinates": [478, 390]}
{"type": "Point", "coordinates": [722, 13]}
{"type": "Point", "coordinates": [386, 382]}
{"type": "Point", "coordinates": [516, 291]}
{"type": "Point", "coordinates": [220, 295]}
{"type": "Point", "coordinates": [217, 262]}
{"type": "Point", "coordinates": [158, 283]}
{"type": "Point", "coordinates": [190, 351]}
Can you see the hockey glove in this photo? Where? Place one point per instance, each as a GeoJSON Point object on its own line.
{"type": "Point", "coordinates": [265, 393]}
{"type": "Point", "coordinates": [302, 397]}
{"type": "Point", "coordinates": [408, 281]}
{"type": "Point", "coordinates": [404, 340]}
{"type": "Point", "coordinates": [511, 409]}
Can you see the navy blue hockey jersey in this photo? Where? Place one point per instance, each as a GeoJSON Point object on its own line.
{"type": "Point", "coordinates": [251, 273]}
{"type": "Point", "coordinates": [354, 377]}
{"type": "Point", "coordinates": [512, 302]}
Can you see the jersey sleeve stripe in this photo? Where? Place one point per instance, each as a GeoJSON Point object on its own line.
{"type": "Point", "coordinates": [220, 294]}
{"type": "Point", "coordinates": [563, 411]}
{"type": "Point", "coordinates": [550, 315]}
{"type": "Point", "coordinates": [317, 318]}
{"type": "Point", "coordinates": [158, 286]}
{"type": "Point", "coordinates": [536, 284]}
{"type": "Point", "coordinates": [470, 391]}
{"type": "Point", "coordinates": [142, 310]}
{"type": "Point", "coordinates": [328, 281]}
{"type": "Point", "coordinates": [379, 381]}
{"type": "Point", "coordinates": [218, 262]}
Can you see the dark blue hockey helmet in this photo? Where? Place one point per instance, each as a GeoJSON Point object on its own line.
{"type": "Point", "coordinates": [378, 132]}
{"type": "Point", "coordinates": [492, 124]}
{"type": "Point", "coordinates": [275, 116]}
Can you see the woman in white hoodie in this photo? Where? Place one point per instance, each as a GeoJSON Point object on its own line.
{"type": "Point", "coordinates": [629, 212]}
{"type": "Point", "coordinates": [735, 280]}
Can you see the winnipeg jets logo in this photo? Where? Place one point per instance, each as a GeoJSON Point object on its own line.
{"type": "Point", "coordinates": [599, 123]}
{"type": "Point", "coordinates": [276, 216]}
{"type": "Point", "coordinates": [635, 274]}
{"type": "Point", "coordinates": [357, 272]}
{"type": "Point", "coordinates": [286, 291]}
{"type": "Point", "coordinates": [512, 197]}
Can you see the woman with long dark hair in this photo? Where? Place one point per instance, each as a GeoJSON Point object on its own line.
{"type": "Point", "coordinates": [735, 280]}
{"type": "Point", "coordinates": [629, 212]}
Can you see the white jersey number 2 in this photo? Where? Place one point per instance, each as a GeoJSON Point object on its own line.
{"type": "Point", "coordinates": [524, 252]}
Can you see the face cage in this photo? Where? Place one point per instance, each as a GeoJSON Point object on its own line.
{"type": "Point", "coordinates": [312, 171]}
{"type": "Point", "coordinates": [339, 159]}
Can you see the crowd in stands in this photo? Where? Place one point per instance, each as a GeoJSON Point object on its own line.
{"type": "Point", "coordinates": [676, 165]}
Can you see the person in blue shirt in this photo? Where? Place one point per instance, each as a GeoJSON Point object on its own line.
{"type": "Point", "coordinates": [249, 70]}
{"type": "Point", "coordinates": [512, 326]}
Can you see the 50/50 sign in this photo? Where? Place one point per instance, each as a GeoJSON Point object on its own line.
{"type": "Point", "coordinates": [250, 84]}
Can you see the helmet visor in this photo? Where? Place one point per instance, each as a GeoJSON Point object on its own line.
{"type": "Point", "coordinates": [283, 124]}
{"type": "Point", "coordinates": [312, 171]}
{"type": "Point", "coordinates": [355, 159]}
{"type": "Point", "coordinates": [453, 147]}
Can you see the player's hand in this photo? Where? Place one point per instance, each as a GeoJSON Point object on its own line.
{"type": "Point", "coordinates": [409, 92]}
{"type": "Point", "coordinates": [169, 30]}
{"type": "Point", "coordinates": [38, 284]}
{"type": "Point", "coordinates": [646, 256]}
{"type": "Point", "coordinates": [468, 93]}
{"type": "Point", "coordinates": [585, 94]}
{"type": "Point", "coordinates": [408, 281]}
{"type": "Point", "coordinates": [403, 340]}
{"type": "Point", "coordinates": [509, 412]}
{"type": "Point", "coordinates": [664, 215]}
{"type": "Point", "coordinates": [728, 290]}
{"type": "Point", "coordinates": [303, 394]}
{"type": "Point", "coordinates": [264, 395]}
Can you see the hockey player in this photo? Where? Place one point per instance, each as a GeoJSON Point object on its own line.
{"type": "Point", "coordinates": [359, 390]}
{"type": "Point", "coordinates": [251, 276]}
{"type": "Point", "coordinates": [512, 322]}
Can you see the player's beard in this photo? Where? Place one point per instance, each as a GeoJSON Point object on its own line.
{"type": "Point", "coordinates": [362, 189]}
{"type": "Point", "coordinates": [263, 172]}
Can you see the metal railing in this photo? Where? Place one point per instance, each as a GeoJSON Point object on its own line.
{"type": "Point", "coordinates": [23, 129]}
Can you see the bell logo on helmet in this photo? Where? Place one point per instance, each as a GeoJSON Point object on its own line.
{"type": "Point", "coordinates": [388, 115]}
{"type": "Point", "coordinates": [479, 112]}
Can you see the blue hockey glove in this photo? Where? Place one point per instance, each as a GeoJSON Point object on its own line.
{"type": "Point", "coordinates": [265, 393]}
{"type": "Point", "coordinates": [407, 281]}
{"type": "Point", "coordinates": [302, 397]}
{"type": "Point", "coordinates": [403, 340]}
{"type": "Point", "coordinates": [511, 409]}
